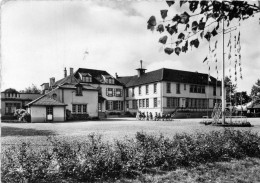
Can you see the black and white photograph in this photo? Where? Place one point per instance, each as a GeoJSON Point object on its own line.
{"type": "Point", "coordinates": [142, 91]}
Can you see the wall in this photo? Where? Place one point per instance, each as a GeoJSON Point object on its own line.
{"type": "Point", "coordinates": [150, 96]}
{"type": "Point", "coordinates": [104, 90]}
{"type": "Point", "coordinates": [187, 94]}
{"type": "Point", "coordinates": [89, 97]}
{"type": "Point", "coordinates": [38, 114]}
{"type": "Point", "coordinates": [58, 113]}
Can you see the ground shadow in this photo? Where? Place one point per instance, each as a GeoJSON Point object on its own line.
{"type": "Point", "coordinates": [12, 131]}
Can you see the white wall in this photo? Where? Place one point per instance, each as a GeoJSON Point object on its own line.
{"type": "Point", "coordinates": [58, 113]}
{"type": "Point", "coordinates": [89, 97]}
{"type": "Point", "coordinates": [38, 114]}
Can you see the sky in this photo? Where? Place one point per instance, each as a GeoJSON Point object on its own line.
{"type": "Point", "coordinates": [40, 38]}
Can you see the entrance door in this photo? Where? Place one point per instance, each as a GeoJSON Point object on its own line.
{"type": "Point", "coordinates": [49, 113]}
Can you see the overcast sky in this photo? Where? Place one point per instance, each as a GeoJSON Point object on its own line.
{"type": "Point", "coordinates": [40, 38]}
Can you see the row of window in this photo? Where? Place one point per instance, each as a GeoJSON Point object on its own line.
{"type": "Point", "coordinates": [88, 79]}
{"type": "Point", "coordinates": [141, 103]}
{"type": "Point", "coordinates": [193, 89]}
{"type": "Point", "coordinates": [116, 92]}
{"type": "Point", "coordinates": [197, 89]}
{"type": "Point", "coordinates": [140, 90]}
{"type": "Point", "coordinates": [114, 105]}
{"type": "Point", "coordinates": [79, 108]}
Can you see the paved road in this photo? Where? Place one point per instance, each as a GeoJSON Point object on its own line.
{"type": "Point", "coordinates": [110, 129]}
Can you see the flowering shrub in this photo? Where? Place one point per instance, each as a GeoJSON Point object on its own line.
{"type": "Point", "coordinates": [22, 115]}
{"type": "Point", "coordinates": [96, 160]}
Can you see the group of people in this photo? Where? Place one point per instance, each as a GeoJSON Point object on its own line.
{"type": "Point", "coordinates": [149, 116]}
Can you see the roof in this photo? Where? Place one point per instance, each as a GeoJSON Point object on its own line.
{"type": "Point", "coordinates": [254, 105]}
{"type": "Point", "coordinates": [72, 86]}
{"type": "Point", "coordinates": [170, 75]}
{"type": "Point", "coordinates": [46, 101]}
{"type": "Point", "coordinates": [69, 79]}
{"type": "Point", "coordinates": [97, 75]}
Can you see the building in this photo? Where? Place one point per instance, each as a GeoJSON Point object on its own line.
{"type": "Point", "coordinates": [79, 95]}
{"type": "Point", "coordinates": [12, 100]}
{"type": "Point", "coordinates": [68, 98]}
{"type": "Point", "coordinates": [167, 90]}
{"type": "Point", "coordinates": [110, 90]}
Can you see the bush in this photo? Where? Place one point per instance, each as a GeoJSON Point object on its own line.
{"type": "Point", "coordinates": [96, 160]}
{"type": "Point", "coordinates": [22, 115]}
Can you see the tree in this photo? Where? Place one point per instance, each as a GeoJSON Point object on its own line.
{"type": "Point", "coordinates": [230, 90]}
{"type": "Point", "coordinates": [255, 91]}
{"type": "Point", "coordinates": [31, 89]}
{"type": "Point", "coordinates": [241, 98]}
{"type": "Point", "coordinates": [210, 13]}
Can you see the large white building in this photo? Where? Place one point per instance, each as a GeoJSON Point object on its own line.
{"type": "Point", "coordinates": [168, 90]}
{"type": "Point", "coordinates": [93, 93]}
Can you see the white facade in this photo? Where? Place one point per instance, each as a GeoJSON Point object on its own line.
{"type": "Point", "coordinates": [38, 114]}
{"type": "Point", "coordinates": [169, 98]}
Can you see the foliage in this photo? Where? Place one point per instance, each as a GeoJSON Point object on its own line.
{"type": "Point", "coordinates": [31, 89]}
{"type": "Point", "coordinates": [210, 13]}
{"type": "Point", "coordinates": [96, 160]}
{"type": "Point", "coordinates": [241, 98]}
{"type": "Point", "coordinates": [22, 115]}
{"type": "Point", "coordinates": [255, 91]}
{"type": "Point", "coordinates": [230, 90]}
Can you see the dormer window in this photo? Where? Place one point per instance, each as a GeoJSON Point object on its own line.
{"type": "Point", "coordinates": [87, 79]}
{"type": "Point", "coordinates": [78, 90]}
{"type": "Point", "coordinates": [110, 81]}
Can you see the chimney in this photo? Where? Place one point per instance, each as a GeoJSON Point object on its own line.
{"type": "Point", "coordinates": [52, 81]}
{"type": "Point", "coordinates": [140, 71]}
{"type": "Point", "coordinates": [71, 71]}
{"type": "Point", "coordinates": [116, 75]}
{"type": "Point", "coordinates": [65, 72]}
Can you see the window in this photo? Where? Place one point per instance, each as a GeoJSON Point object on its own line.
{"type": "Point", "coordinates": [133, 91]}
{"type": "Point", "coordinates": [184, 86]}
{"type": "Point", "coordinates": [118, 92]}
{"type": "Point", "coordinates": [73, 108]}
{"type": "Point", "coordinates": [84, 108]}
{"type": "Point", "coordinates": [109, 105]}
{"type": "Point", "coordinates": [140, 103]}
{"type": "Point", "coordinates": [87, 79]}
{"type": "Point", "coordinates": [78, 90]}
{"type": "Point", "coordinates": [147, 102]}
{"type": "Point", "coordinates": [49, 110]}
{"type": "Point", "coordinates": [178, 88]}
{"type": "Point", "coordinates": [127, 104]}
{"type": "Point", "coordinates": [110, 92]}
{"type": "Point", "coordinates": [173, 102]}
{"type": "Point", "coordinates": [79, 108]}
{"type": "Point", "coordinates": [127, 92]}
{"type": "Point", "coordinates": [197, 89]}
{"type": "Point", "coordinates": [114, 105]}
{"type": "Point", "coordinates": [147, 89]}
{"type": "Point", "coordinates": [168, 87]}
{"type": "Point", "coordinates": [155, 87]}
{"type": "Point", "coordinates": [220, 91]}
{"type": "Point", "coordinates": [110, 81]}
{"type": "Point", "coordinates": [214, 91]}
{"type": "Point", "coordinates": [140, 90]}
{"type": "Point", "coordinates": [134, 104]}
{"type": "Point", "coordinates": [54, 96]}
{"type": "Point", "coordinates": [143, 102]}
{"type": "Point", "coordinates": [155, 102]}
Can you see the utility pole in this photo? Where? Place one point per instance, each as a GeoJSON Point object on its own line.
{"type": "Point", "coordinates": [223, 76]}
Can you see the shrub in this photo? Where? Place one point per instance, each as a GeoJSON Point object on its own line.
{"type": "Point", "coordinates": [96, 160]}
